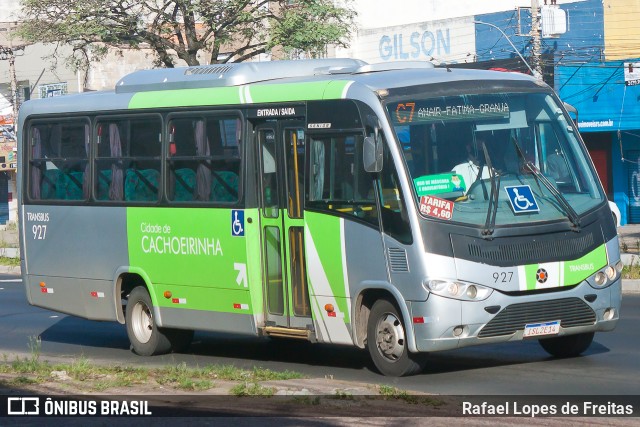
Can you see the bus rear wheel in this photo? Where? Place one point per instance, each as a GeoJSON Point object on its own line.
{"type": "Point", "coordinates": [387, 343]}
{"type": "Point", "coordinates": [145, 336]}
{"type": "Point", "coordinates": [568, 345]}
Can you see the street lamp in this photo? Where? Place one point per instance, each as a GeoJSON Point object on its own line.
{"type": "Point", "coordinates": [535, 74]}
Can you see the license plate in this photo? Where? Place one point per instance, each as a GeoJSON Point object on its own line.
{"type": "Point", "coordinates": [541, 329]}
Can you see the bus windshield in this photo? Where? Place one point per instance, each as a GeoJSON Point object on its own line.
{"type": "Point", "coordinates": [511, 157]}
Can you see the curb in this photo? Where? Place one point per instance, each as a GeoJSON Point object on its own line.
{"type": "Point", "coordinates": [631, 286]}
{"type": "Point", "coordinates": [10, 252]}
{"type": "Point", "coordinates": [9, 269]}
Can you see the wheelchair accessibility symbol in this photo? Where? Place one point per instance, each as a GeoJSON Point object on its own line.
{"type": "Point", "coordinates": [237, 223]}
{"type": "Point", "coordinates": [521, 198]}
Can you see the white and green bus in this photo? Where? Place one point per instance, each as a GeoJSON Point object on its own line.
{"type": "Point", "coordinates": [395, 207]}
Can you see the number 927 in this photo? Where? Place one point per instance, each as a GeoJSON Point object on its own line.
{"type": "Point", "coordinates": [503, 277]}
{"type": "Point", "coordinates": [39, 232]}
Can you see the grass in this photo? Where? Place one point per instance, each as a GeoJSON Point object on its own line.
{"type": "Point", "coordinates": [390, 392]}
{"type": "Point", "coordinates": [11, 262]}
{"type": "Point", "coordinates": [252, 389]}
{"type": "Point", "coordinates": [631, 271]}
{"type": "Point", "coordinates": [86, 375]}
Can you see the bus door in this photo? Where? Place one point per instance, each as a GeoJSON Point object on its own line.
{"type": "Point", "coordinates": [281, 148]}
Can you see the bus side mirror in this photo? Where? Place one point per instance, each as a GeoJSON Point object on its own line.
{"type": "Point", "coordinates": [372, 154]}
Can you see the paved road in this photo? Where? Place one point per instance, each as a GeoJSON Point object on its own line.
{"type": "Point", "coordinates": [609, 367]}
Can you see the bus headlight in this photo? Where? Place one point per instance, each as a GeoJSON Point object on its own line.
{"type": "Point", "coordinates": [619, 266]}
{"type": "Point", "coordinates": [607, 275]}
{"type": "Point", "coordinates": [610, 272]}
{"type": "Point", "coordinates": [472, 292]}
{"type": "Point", "coordinates": [457, 289]}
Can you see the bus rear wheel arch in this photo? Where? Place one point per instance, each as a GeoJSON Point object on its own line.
{"type": "Point", "coordinates": [387, 342]}
{"type": "Point", "coordinates": [147, 339]}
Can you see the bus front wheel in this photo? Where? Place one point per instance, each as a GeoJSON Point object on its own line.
{"type": "Point", "coordinates": [568, 345]}
{"type": "Point", "coordinates": [387, 343]}
{"type": "Point", "coordinates": [145, 336]}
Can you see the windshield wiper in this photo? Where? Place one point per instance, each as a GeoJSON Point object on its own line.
{"type": "Point", "coordinates": [571, 213]}
{"type": "Point", "coordinates": [492, 209]}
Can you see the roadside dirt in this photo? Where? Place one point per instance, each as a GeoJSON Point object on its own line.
{"type": "Point", "coordinates": [291, 398]}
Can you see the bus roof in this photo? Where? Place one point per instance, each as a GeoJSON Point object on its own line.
{"type": "Point", "coordinates": [228, 84]}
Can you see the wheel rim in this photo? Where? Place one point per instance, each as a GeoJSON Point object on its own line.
{"type": "Point", "coordinates": [390, 337]}
{"type": "Point", "coordinates": [142, 322]}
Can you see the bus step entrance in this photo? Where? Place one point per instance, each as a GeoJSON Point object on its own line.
{"type": "Point", "coordinates": [280, 332]}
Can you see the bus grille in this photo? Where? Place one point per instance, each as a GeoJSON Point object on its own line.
{"type": "Point", "coordinates": [506, 251]}
{"type": "Point", "coordinates": [560, 248]}
{"type": "Point", "coordinates": [570, 312]}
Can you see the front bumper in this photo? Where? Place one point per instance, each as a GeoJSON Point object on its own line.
{"type": "Point", "coordinates": [450, 323]}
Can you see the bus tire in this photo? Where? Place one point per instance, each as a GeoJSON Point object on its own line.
{"type": "Point", "coordinates": [145, 336]}
{"type": "Point", "coordinates": [568, 345]}
{"type": "Point", "coordinates": [387, 343]}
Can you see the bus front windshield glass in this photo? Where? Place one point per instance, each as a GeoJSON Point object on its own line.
{"type": "Point", "coordinates": [494, 159]}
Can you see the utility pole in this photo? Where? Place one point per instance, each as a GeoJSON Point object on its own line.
{"type": "Point", "coordinates": [9, 53]}
{"type": "Point", "coordinates": [14, 83]}
{"type": "Point", "coordinates": [535, 38]}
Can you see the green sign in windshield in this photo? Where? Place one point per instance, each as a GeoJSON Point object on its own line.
{"type": "Point", "coordinates": [438, 184]}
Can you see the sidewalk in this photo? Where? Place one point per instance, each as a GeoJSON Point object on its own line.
{"type": "Point", "coordinates": [9, 248]}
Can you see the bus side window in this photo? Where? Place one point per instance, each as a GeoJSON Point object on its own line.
{"type": "Point", "coordinates": [395, 220]}
{"type": "Point", "coordinates": [59, 160]}
{"type": "Point", "coordinates": [223, 134]}
{"type": "Point", "coordinates": [337, 180]}
{"type": "Point", "coordinates": [203, 162]}
{"type": "Point", "coordinates": [142, 176]}
{"type": "Point", "coordinates": [109, 173]}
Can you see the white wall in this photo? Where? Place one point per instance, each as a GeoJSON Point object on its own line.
{"type": "Point", "coordinates": [421, 29]}
{"type": "Point", "coordinates": [386, 13]}
{"type": "Point", "coordinates": [445, 40]}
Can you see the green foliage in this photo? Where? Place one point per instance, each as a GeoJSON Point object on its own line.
{"type": "Point", "coordinates": [9, 261]}
{"type": "Point", "coordinates": [310, 26]}
{"type": "Point", "coordinates": [631, 272]}
{"type": "Point", "coordinates": [253, 389]}
{"type": "Point", "coordinates": [195, 31]}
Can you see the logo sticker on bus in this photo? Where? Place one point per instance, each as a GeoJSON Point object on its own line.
{"type": "Point", "coordinates": [522, 199]}
{"type": "Point", "coordinates": [541, 275]}
{"type": "Point", "coordinates": [436, 207]}
{"type": "Point", "coordinates": [237, 223]}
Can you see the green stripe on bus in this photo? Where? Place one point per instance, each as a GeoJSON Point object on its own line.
{"type": "Point", "coordinates": [186, 97]}
{"type": "Point", "coordinates": [578, 270]}
{"type": "Point", "coordinates": [571, 272]}
{"type": "Point", "coordinates": [325, 230]}
{"type": "Point", "coordinates": [257, 93]}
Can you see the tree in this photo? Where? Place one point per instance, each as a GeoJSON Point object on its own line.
{"type": "Point", "coordinates": [196, 31]}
